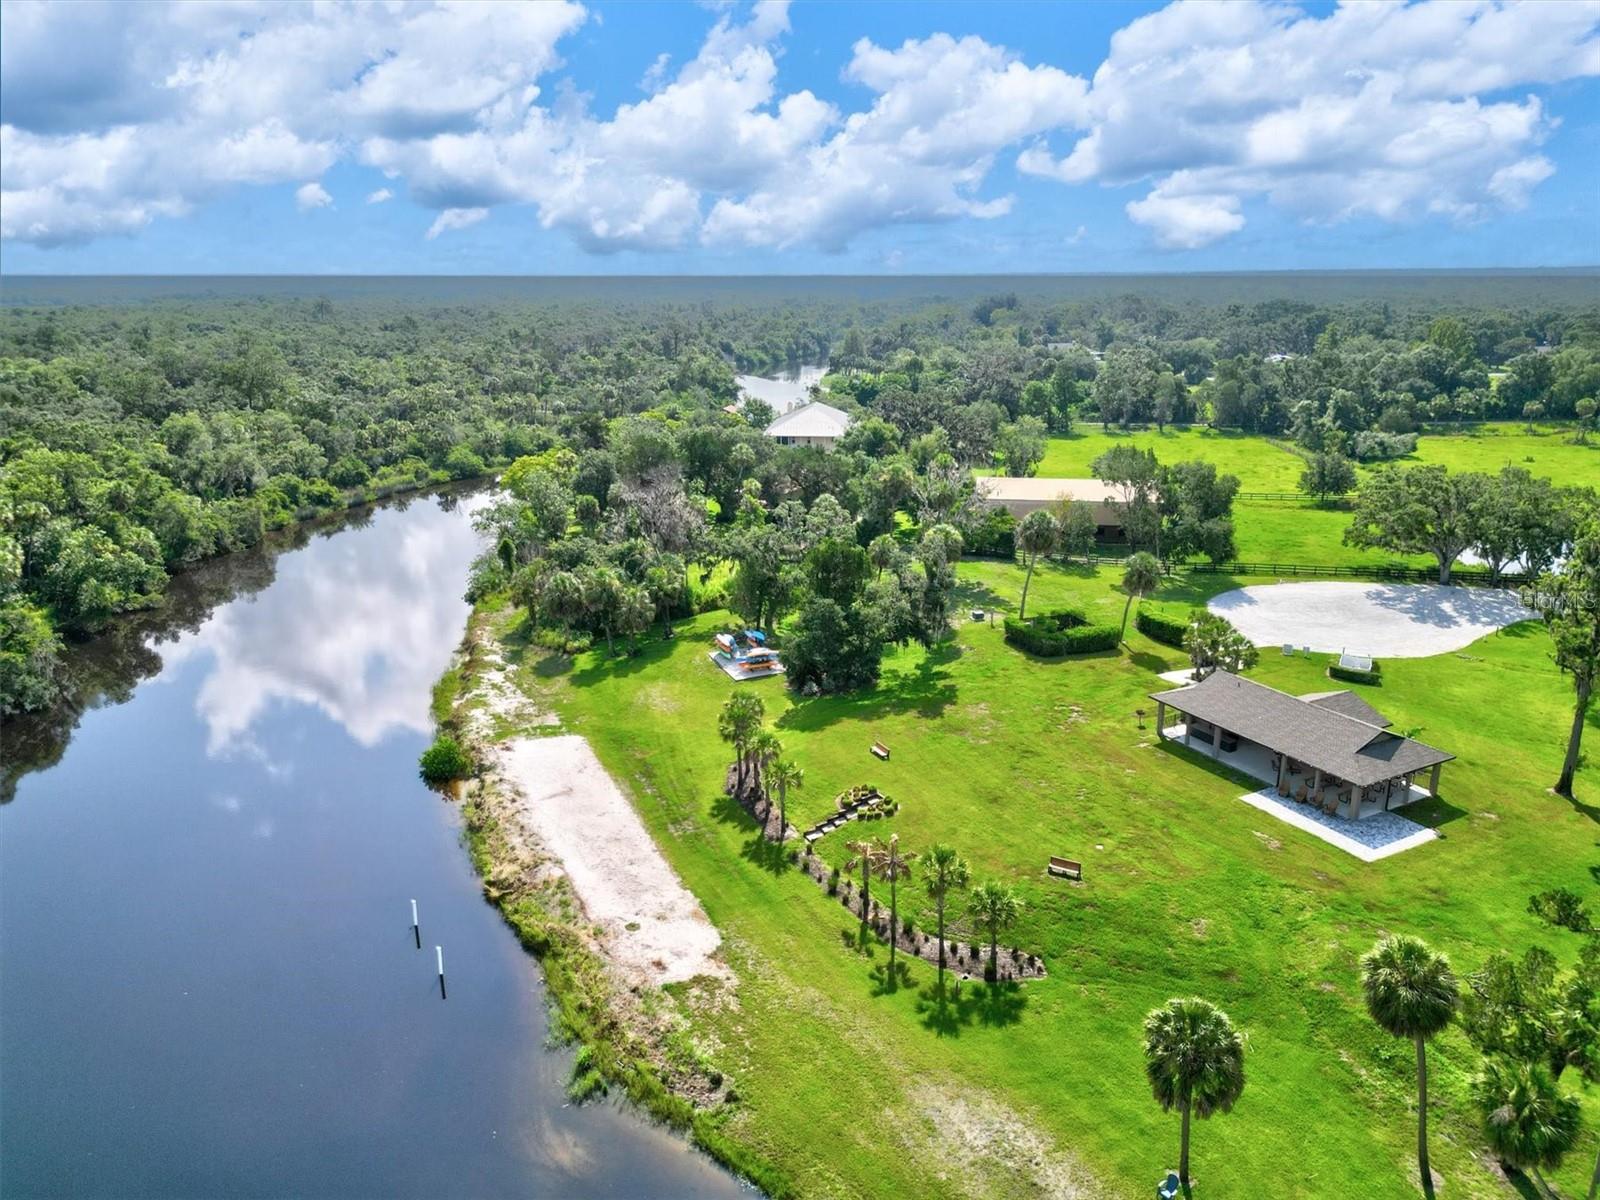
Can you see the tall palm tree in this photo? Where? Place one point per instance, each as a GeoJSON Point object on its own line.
{"type": "Point", "coordinates": [861, 856]}
{"type": "Point", "coordinates": [890, 865]}
{"type": "Point", "coordinates": [741, 715]}
{"type": "Point", "coordinates": [943, 871]}
{"type": "Point", "coordinates": [1194, 1060]}
{"type": "Point", "coordinates": [994, 907]}
{"type": "Point", "coordinates": [1411, 992]}
{"type": "Point", "coordinates": [1526, 1119]}
{"type": "Point", "coordinates": [1140, 576]}
{"type": "Point", "coordinates": [1038, 534]}
{"type": "Point", "coordinates": [783, 775]}
{"type": "Point", "coordinates": [764, 749]}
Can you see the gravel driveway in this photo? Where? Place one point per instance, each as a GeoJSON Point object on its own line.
{"type": "Point", "coordinates": [1384, 620]}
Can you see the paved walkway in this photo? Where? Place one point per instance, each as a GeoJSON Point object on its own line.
{"type": "Point", "coordinates": [1383, 620]}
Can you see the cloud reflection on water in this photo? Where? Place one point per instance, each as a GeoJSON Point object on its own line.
{"type": "Point", "coordinates": [359, 626]}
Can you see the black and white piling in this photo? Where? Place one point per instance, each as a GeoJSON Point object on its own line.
{"type": "Point", "coordinates": [439, 951]}
{"type": "Point", "coordinates": [416, 930]}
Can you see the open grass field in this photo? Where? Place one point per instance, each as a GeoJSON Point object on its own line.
{"type": "Point", "coordinates": [854, 1088]}
{"type": "Point", "coordinates": [1260, 464]}
{"type": "Point", "coordinates": [1548, 451]}
{"type": "Point", "coordinates": [1270, 531]}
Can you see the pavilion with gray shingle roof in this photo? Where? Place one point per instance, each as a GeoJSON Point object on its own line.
{"type": "Point", "coordinates": [1340, 740]}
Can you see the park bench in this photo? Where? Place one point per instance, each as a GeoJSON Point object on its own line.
{"type": "Point", "coordinates": [881, 750]}
{"type": "Point", "coordinates": [1066, 867]}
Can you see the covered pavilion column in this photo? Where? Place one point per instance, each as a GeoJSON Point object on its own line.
{"type": "Point", "coordinates": [1161, 720]}
{"type": "Point", "coordinates": [1433, 781]}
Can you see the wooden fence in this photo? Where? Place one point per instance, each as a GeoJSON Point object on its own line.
{"type": "Point", "coordinates": [1299, 497]}
{"type": "Point", "coordinates": [1469, 576]}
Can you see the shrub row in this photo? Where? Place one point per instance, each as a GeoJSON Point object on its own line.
{"type": "Point", "coordinates": [1351, 675]}
{"type": "Point", "coordinates": [1161, 627]}
{"type": "Point", "coordinates": [1056, 634]}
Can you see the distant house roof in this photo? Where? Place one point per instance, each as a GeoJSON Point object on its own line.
{"type": "Point", "coordinates": [814, 419]}
{"type": "Point", "coordinates": [1001, 488]}
{"type": "Point", "coordinates": [1321, 728]}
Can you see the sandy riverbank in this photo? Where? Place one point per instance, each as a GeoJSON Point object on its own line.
{"type": "Point", "coordinates": [653, 929]}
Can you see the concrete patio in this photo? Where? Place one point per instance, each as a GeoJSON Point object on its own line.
{"type": "Point", "coordinates": [1255, 760]}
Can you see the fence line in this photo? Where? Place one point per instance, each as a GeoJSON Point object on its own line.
{"type": "Point", "coordinates": [1469, 576]}
{"type": "Point", "coordinates": [1302, 497]}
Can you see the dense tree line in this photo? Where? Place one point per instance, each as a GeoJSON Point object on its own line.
{"type": "Point", "coordinates": [139, 437]}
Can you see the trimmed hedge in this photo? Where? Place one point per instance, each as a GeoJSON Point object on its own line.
{"type": "Point", "coordinates": [1062, 632]}
{"type": "Point", "coordinates": [1161, 627]}
{"type": "Point", "coordinates": [1351, 675]}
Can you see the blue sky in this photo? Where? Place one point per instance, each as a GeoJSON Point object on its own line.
{"type": "Point", "coordinates": [831, 138]}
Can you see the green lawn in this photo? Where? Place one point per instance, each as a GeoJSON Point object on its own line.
{"type": "Point", "coordinates": [1549, 452]}
{"type": "Point", "coordinates": [1293, 532]}
{"type": "Point", "coordinates": [1264, 465]}
{"type": "Point", "coordinates": [1261, 465]}
{"type": "Point", "coordinates": [852, 1089]}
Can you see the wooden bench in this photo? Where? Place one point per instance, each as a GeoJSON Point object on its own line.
{"type": "Point", "coordinates": [881, 750]}
{"type": "Point", "coordinates": [1066, 867]}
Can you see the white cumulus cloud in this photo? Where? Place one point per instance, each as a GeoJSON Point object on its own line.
{"type": "Point", "coordinates": [118, 115]}
{"type": "Point", "coordinates": [1387, 110]}
{"type": "Point", "coordinates": [455, 218]}
{"type": "Point", "coordinates": [310, 196]}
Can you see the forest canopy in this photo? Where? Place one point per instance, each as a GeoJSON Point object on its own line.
{"type": "Point", "coordinates": [144, 431]}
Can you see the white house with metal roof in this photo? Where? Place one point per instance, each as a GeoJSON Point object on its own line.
{"type": "Point", "coordinates": [811, 424]}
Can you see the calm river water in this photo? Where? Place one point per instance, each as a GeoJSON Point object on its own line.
{"type": "Point", "coordinates": [783, 391]}
{"type": "Point", "coordinates": [209, 985]}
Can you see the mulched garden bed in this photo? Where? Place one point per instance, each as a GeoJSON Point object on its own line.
{"type": "Point", "coordinates": [967, 960]}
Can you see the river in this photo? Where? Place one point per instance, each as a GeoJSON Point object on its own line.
{"type": "Point", "coordinates": [783, 391]}
{"type": "Point", "coordinates": [210, 987]}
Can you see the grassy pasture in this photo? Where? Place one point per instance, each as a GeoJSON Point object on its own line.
{"type": "Point", "coordinates": [1268, 531]}
{"type": "Point", "coordinates": [852, 1087]}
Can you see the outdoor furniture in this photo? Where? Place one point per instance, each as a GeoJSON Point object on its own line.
{"type": "Point", "coordinates": [977, 614]}
{"type": "Point", "coordinates": [1288, 648]}
{"type": "Point", "coordinates": [1066, 867]}
{"type": "Point", "coordinates": [881, 750]}
{"type": "Point", "coordinates": [1169, 1187]}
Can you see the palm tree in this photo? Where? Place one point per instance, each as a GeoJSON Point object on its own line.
{"type": "Point", "coordinates": [1038, 534]}
{"type": "Point", "coordinates": [764, 749]}
{"type": "Point", "coordinates": [1140, 577]}
{"type": "Point", "coordinates": [1411, 992]}
{"type": "Point", "coordinates": [944, 871]}
{"type": "Point", "coordinates": [1194, 1060]}
{"type": "Point", "coordinates": [882, 551]}
{"type": "Point", "coordinates": [861, 856]}
{"type": "Point", "coordinates": [994, 907]}
{"type": "Point", "coordinates": [741, 715]}
{"type": "Point", "coordinates": [785, 774]}
{"type": "Point", "coordinates": [1527, 1121]}
{"type": "Point", "coordinates": [890, 865]}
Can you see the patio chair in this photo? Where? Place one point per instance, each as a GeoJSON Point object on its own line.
{"type": "Point", "coordinates": [1170, 1187]}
